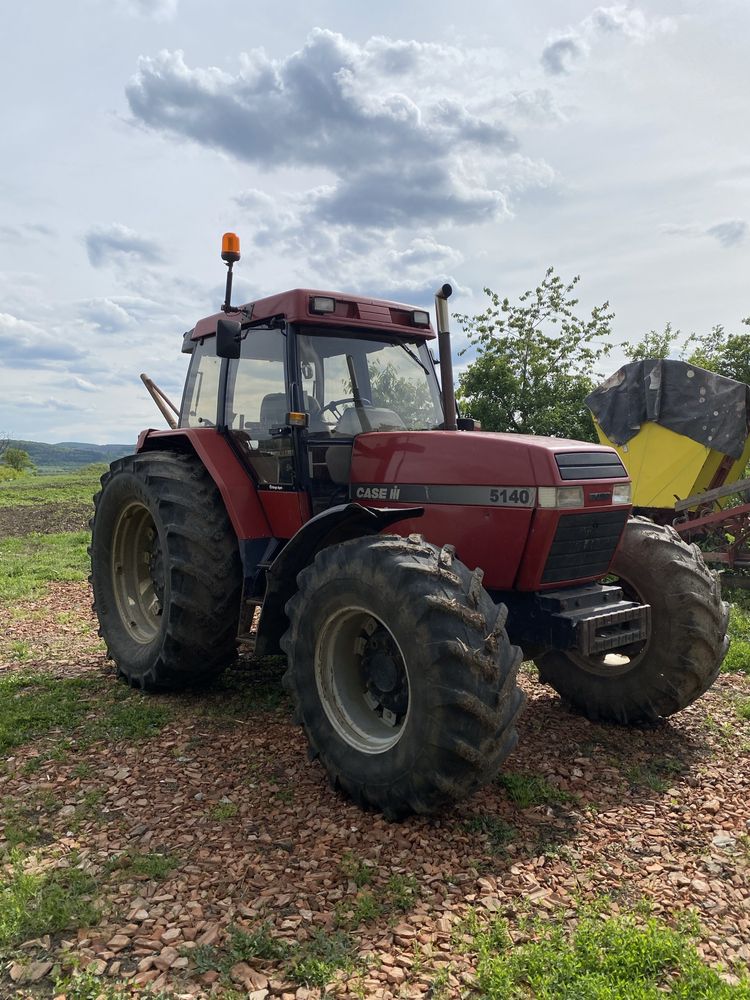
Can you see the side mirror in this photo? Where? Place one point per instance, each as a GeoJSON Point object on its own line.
{"type": "Point", "coordinates": [228, 336]}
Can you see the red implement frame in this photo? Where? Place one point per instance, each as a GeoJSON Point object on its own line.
{"type": "Point", "coordinates": [724, 531]}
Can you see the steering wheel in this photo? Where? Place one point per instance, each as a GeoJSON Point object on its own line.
{"type": "Point", "coordinates": [334, 405]}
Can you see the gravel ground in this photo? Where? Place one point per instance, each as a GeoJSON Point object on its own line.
{"type": "Point", "coordinates": [257, 836]}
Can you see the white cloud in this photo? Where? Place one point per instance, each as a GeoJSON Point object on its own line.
{"type": "Point", "coordinates": [567, 49]}
{"type": "Point", "coordinates": [560, 54]}
{"type": "Point", "coordinates": [117, 244]}
{"type": "Point", "coordinates": [399, 143]}
{"type": "Point", "coordinates": [159, 10]}
{"type": "Point", "coordinates": [50, 403]}
{"type": "Point", "coordinates": [728, 233]}
{"type": "Point", "coordinates": [25, 233]}
{"type": "Point", "coordinates": [27, 345]}
{"type": "Point", "coordinates": [76, 382]}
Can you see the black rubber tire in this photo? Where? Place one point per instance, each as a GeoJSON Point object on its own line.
{"type": "Point", "coordinates": [198, 571]}
{"type": "Point", "coordinates": [463, 697]}
{"type": "Point", "coordinates": [688, 640]}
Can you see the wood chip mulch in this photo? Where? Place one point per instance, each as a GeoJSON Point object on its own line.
{"type": "Point", "coordinates": [258, 836]}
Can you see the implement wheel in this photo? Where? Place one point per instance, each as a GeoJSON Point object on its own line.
{"type": "Point", "coordinates": [681, 657]}
{"type": "Point", "coordinates": [401, 673]}
{"type": "Point", "coordinates": [165, 571]}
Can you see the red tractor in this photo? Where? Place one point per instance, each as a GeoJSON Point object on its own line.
{"type": "Point", "coordinates": [320, 495]}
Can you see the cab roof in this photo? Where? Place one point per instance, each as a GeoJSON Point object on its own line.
{"type": "Point", "coordinates": [350, 311]}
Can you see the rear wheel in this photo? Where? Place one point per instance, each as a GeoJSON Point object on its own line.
{"type": "Point", "coordinates": [165, 571]}
{"type": "Point", "coordinates": [401, 673]}
{"type": "Point", "coordinates": [680, 658]}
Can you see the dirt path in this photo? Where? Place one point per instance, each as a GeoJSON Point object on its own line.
{"type": "Point", "coordinates": [256, 838]}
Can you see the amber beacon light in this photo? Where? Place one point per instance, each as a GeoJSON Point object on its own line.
{"type": "Point", "coordinates": [230, 254]}
{"type": "Point", "coordinates": [230, 247]}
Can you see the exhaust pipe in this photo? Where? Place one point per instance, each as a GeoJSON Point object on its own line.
{"type": "Point", "coordinates": [446, 360]}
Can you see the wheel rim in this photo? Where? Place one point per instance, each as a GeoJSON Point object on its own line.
{"type": "Point", "coordinates": [138, 572]}
{"type": "Point", "coordinates": [362, 680]}
{"type": "Point", "coordinates": [620, 662]}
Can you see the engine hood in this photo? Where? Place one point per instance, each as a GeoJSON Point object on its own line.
{"type": "Point", "coordinates": [476, 458]}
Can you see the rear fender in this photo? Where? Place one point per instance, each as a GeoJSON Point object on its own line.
{"type": "Point", "coordinates": [233, 482]}
{"type": "Point", "coordinates": [335, 525]}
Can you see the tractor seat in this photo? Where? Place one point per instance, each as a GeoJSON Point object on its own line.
{"type": "Point", "coordinates": [274, 408]}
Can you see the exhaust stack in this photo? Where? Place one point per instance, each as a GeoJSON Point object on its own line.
{"type": "Point", "coordinates": [446, 360]}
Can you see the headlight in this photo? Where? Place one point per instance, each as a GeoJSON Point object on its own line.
{"type": "Point", "coordinates": [560, 496]}
{"type": "Point", "coordinates": [622, 493]}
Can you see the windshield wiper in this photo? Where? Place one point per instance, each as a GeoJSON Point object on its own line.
{"type": "Point", "coordinates": [412, 355]}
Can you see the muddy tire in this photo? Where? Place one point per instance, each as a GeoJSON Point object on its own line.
{"type": "Point", "coordinates": [401, 673]}
{"type": "Point", "coordinates": [165, 571]}
{"type": "Point", "coordinates": [682, 656]}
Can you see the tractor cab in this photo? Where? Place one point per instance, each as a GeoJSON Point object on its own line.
{"type": "Point", "coordinates": [302, 376]}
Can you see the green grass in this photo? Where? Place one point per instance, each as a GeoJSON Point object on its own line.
{"type": "Point", "coordinates": [498, 833]}
{"type": "Point", "coordinates": [32, 705]}
{"type": "Point", "coordinates": [84, 985]}
{"type": "Point", "coordinates": [29, 562]}
{"type": "Point", "coordinates": [245, 946]}
{"type": "Point", "coordinates": [401, 892]}
{"type": "Point", "coordinates": [657, 774]}
{"type": "Point", "coordinates": [154, 865]}
{"type": "Point", "coordinates": [738, 658]}
{"type": "Point", "coordinates": [35, 705]}
{"type": "Point", "coordinates": [20, 650]}
{"type": "Point", "coordinates": [316, 961]}
{"type": "Point", "coordinates": [313, 962]}
{"type": "Point", "coordinates": [743, 708]}
{"type": "Point", "coordinates": [360, 872]}
{"type": "Point", "coordinates": [68, 488]}
{"type": "Point", "coordinates": [532, 790]}
{"type": "Point", "coordinates": [616, 958]}
{"type": "Point", "coordinates": [223, 810]}
{"type": "Point", "coordinates": [43, 902]}
{"type": "Point", "coordinates": [363, 909]}
{"type": "Point", "coordinates": [129, 717]}
{"type": "Point", "coordinates": [398, 895]}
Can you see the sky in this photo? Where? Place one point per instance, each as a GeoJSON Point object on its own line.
{"type": "Point", "coordinates": [379, 149]}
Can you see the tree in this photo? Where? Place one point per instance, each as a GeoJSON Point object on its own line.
{"type": "Point", "coordinates": [653, 345]}
{"type": "Point", "coordinates": [718, 351]}
{"type": "Point", "coordinates": [721, 352]}
{"type": "Point", "coordinates": [410, 398]}
{"type": "Point", "coordinates": [528, 376]}
{"type": "Point", "coordinates": [17, 459]}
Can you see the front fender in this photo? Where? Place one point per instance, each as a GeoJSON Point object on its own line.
{"type": "Point", "coordinates": [335, 525]}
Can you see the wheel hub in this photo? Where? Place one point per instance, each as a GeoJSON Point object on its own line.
{"type": "Point", "coordinates": [138, 576]}
{"type": "Point", "coordinates": [362, 680]}
{"type": "Point", "coordinates": [384, 676]}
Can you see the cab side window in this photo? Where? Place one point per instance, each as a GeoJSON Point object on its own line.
{"type": "Point", "coordinates": [200, 399]}
{"type": "Point", "coordinates": [256, 392]}
{"type": "Point", "coordinates": [257, 403]}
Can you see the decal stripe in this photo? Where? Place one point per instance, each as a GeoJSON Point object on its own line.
{"type": "Point", "coordinates": [476, 496]}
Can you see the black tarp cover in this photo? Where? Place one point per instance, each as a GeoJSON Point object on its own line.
{"type": "Point", "coordinates": [708, 408]}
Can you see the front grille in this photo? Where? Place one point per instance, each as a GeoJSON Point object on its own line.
{"type": "Point", "coordinates": [590, 465]}
{"type": "Point", "coordinates": [583, 545]}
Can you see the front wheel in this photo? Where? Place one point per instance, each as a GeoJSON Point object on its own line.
{"type": "Point", "coordinates": [165, 571]}
{"type": "Point", "coordinates": [680, 658]}
{"type": "Point", "coordinates": [401, 673]}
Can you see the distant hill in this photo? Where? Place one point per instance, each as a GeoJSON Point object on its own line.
{"type": "Point", "coordinates": [71, 455]}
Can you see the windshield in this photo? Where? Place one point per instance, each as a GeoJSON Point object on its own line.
{"type": "Point", "coordinates": [354, 384]}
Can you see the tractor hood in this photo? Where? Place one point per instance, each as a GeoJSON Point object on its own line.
{"type": "Point", "coordinates": [497, 499]}
{"type": "Point", "coordinates": [431, 459]}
